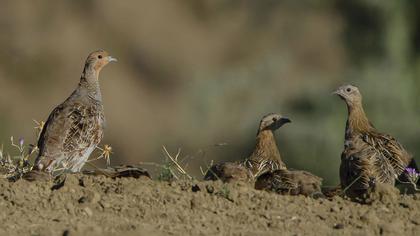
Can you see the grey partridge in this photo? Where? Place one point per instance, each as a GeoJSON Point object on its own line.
{"type": "Point", "coordinates": [269, 170]}
{"type": "Point", "coordinates": [266, 155]}
{"type": "Point", "coordinates": [369, 157]}
{"type": "Point", "coordinates": [75, 127]}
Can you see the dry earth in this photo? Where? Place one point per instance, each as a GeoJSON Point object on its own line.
{"type": "Point", "coordinates": [92, 205]}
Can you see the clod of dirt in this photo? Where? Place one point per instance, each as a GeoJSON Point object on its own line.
{"type": "Point", "coordinates": [383, 193]}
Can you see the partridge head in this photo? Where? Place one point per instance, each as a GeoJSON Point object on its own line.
{"type": "Point", "coordinates": [95, 62]}
{"type": "Point", "coordinates": [350, 94]}
{"type": "Point", "coordinates": [272, 122]}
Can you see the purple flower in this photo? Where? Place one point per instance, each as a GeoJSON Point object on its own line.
{"type": "Point", "coordinates": [411, 171]}
{"type": "Point", "coordinates": [413, 175]}
{"type": "Point", "coordinates": [21, 141]}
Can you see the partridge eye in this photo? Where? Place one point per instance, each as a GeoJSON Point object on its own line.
{"type": "Point", "coordinates": [348, 90]}
{"type": "Point", "coordinates": [100, 56]}
{"type": "Point", "coordinates": [274, 119]}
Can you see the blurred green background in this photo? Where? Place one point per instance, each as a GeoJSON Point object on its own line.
{"type": "Point", "coordinates": [197, 73]}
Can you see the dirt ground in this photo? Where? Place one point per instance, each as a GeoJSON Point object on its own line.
{"type": "Point", "coordinates": [89, 205]}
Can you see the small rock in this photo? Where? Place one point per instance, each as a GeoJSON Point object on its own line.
{"type": "Point", "coordinates": [210, 189]}
{"type": "Point", "coordinates": [90, 197]}
{"type": "Point", "coordinates": [335, 209]}
{"type": "Point", "coordinates": [404, 205]}
{"type": "Point", "coordinates": [81, 182]}
{"type": "Point", "coordinates": [81, 200]}
{"type": "Point", "coordinates": [70, 208]}
{"type": "Point", "coordinates": [370, 218]}
{"type": "Point", "coordinates": [88, 211]}
{"type": "Point", "coordinates": [104, 204]}
{"type": "Point", "coordinates": [195, 188]}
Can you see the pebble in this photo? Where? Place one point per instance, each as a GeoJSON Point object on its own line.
{"type": "Point", "coordinates": [88, 211]}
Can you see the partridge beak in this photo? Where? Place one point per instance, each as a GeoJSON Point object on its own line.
{"type": "Point", "coordinates": [285, 120]}
{"type": "Point", "coordinates": [339, 93]}
{"type": "Point", "coordinates": [336, 92]}
{"type": "Point", "coordinates": [111, 59]}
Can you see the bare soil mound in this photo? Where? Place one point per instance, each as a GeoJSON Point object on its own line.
{"type": "Point", "coordinates": [95, 205]}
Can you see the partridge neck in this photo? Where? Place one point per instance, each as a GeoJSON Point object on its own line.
{"type": "Point", "coordinates": [266, 146]}
{"type": "Point", "coordinates": [357, 120]}
{"type": "Point", "coordinates": [89, 81]}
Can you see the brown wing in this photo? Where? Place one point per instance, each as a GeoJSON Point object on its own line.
{"type": "Point", "coordinates": [284, 182]}
{"type": "Point", "coordinates": [262, 166]}
{"type": "Point", "coordinates": [70, 130]}
{"type": "Point", "coordinates": [51, 137]}
{"type": "Point", "coordinates": [370, 158]}
{"type": "Point", "coordinates": [85, 128]}
{"type": "Point", "coordinates": [390, 149]}
{"type": "Point", "coordinates": [357, 172]}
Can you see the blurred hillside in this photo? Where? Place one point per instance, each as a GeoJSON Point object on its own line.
{"type": "Point", "coordinates": [193, 74]}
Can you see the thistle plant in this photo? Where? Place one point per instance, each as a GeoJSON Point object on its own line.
{"type": "Point", "coordinates": [105, 153]}
{"type": "Point", "coordinates": [7, 165]}
{"type": "Point", "coordinates": [413, 176]}
{"type": "Point", "coordinates": [17, 165]}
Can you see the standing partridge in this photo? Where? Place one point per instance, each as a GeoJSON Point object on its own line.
{"type": "Point", "coordinates": [369, 156]}
{"type": "Point", "coordinates": [75, 127]}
